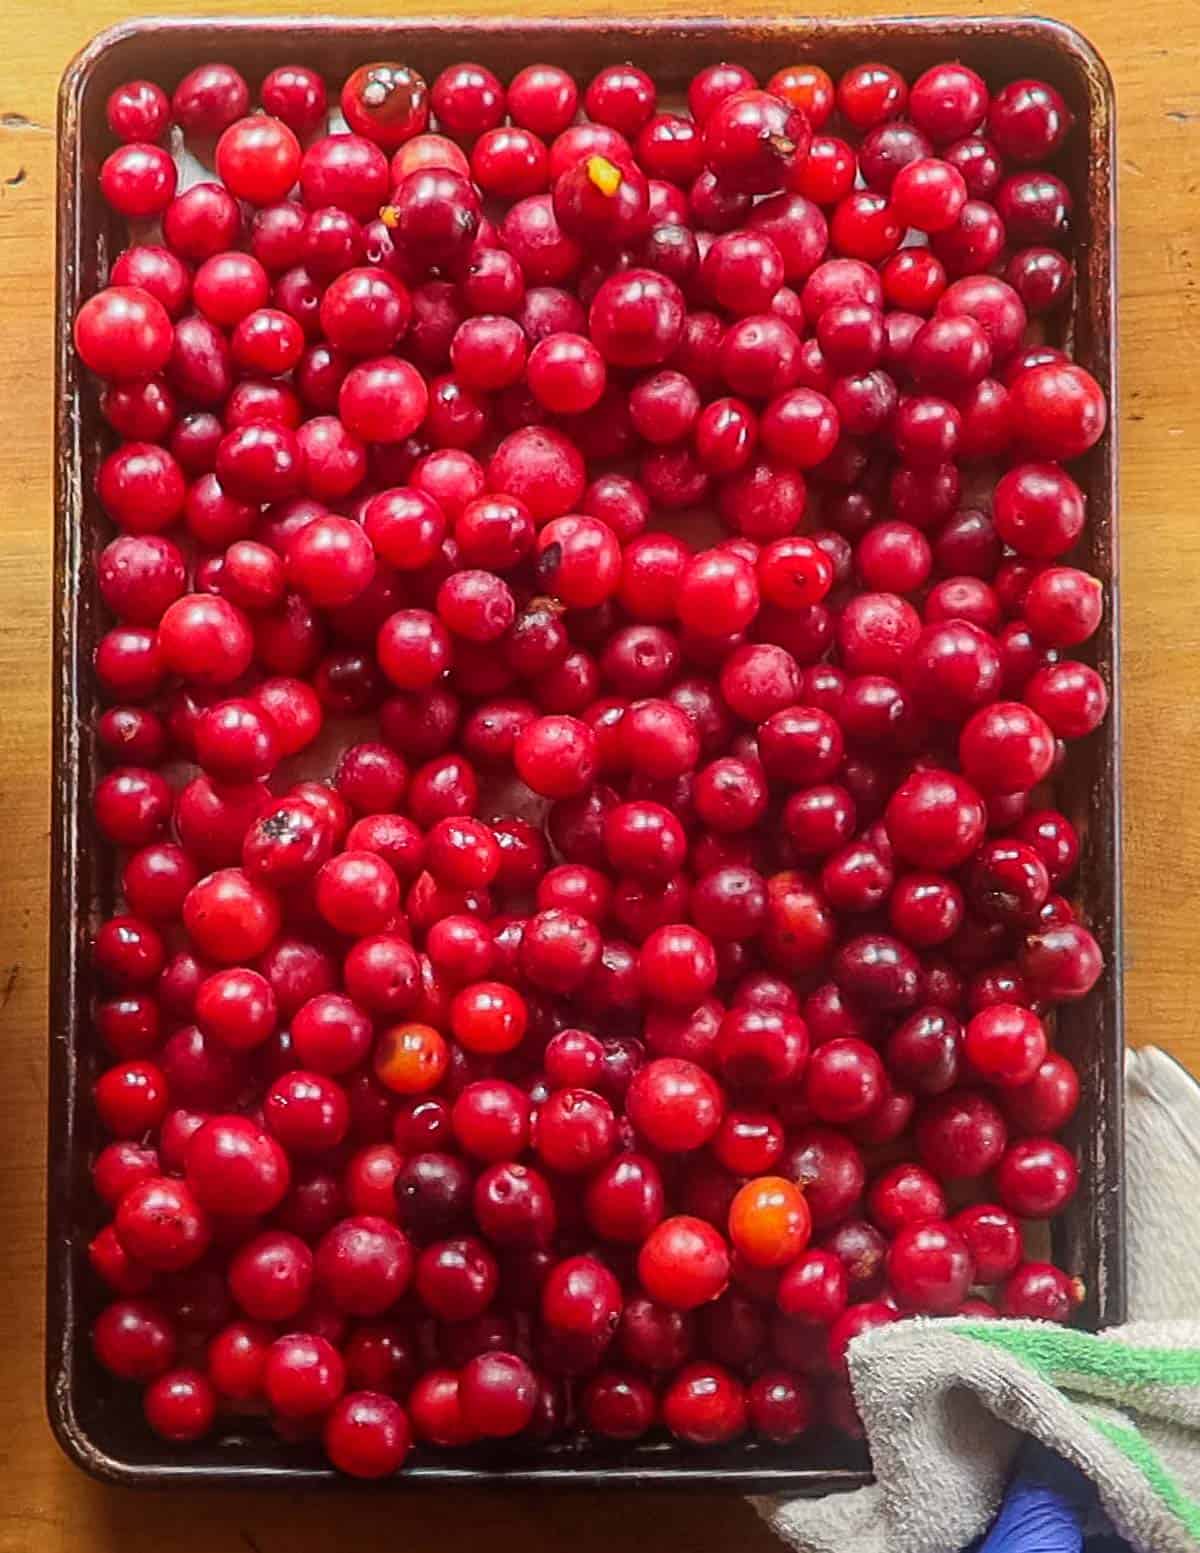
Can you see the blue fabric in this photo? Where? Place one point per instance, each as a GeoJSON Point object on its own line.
{"type": "Point", "coordinates": [1035, 1518]}
{"type": "Point", "coordinates": [1048, 1508]}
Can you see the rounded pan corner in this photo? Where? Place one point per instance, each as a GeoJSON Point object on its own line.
{"type": "Point", "coordinates": [77, 1445]}
{"type": "Point", "coordinates": [81, 65]}
{"type": "Point", "coordinates": [1068, 38]}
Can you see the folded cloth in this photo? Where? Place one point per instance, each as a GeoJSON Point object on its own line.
{"type": "Point", "coordinates": [946, 1404]}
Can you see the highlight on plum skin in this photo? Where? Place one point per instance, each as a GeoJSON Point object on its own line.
{"type": "Point", "coordinates": [596, 603]}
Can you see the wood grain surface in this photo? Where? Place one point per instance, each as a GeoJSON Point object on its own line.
{"type": "Point", "coordinates": [47, 1506]}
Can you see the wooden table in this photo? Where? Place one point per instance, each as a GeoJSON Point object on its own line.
{"type": "Point", "coordinates": [47, 1506]}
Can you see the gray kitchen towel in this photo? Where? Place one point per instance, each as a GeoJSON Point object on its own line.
{"type": "Point", "coordinates": [947, 1403]}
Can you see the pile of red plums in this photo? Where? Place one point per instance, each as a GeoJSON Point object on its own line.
{"type": "Point", "coordinates": [591, 631]}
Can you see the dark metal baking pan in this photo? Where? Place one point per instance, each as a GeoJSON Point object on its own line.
{"type": "Point", "coordinates": [98, 1422]}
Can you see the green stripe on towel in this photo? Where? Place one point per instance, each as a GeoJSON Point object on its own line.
{"type": "Point", "coordinates": [1137, 1450]}
{"type": "Point", "coordinates": [1059, 1353]}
